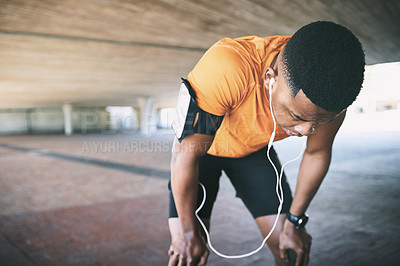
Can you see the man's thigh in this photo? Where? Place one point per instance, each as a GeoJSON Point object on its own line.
{"type": "Point", "coordinates": [255, 183]}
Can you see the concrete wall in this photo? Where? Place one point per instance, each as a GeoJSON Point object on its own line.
{"type": "Point", "coordinates": [90, 120]}
{"type": "Point", "coordinates": [13, 122]}
{"type": "Point", "coordinates": [46, 120]}
{"type": "Point", "coordinates": [50, 120]}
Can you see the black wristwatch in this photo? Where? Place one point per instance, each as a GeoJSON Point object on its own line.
{"type": "Point", "coordinates": [298, 221]}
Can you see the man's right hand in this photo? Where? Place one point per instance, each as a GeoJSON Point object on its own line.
{"type": "Point", "coordinates": [188, 246]}
{"type": "Point", "coordinates": [188, 249]}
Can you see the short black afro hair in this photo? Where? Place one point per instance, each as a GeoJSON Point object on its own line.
{"type": "Point", "coordinates": [326, 61]}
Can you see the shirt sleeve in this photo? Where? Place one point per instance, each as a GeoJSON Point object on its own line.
{"type": "Point", "coordinates": [220, 78]}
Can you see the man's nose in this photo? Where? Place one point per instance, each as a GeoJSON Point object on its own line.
{"type": "Point", "coordinates": [306, 128]}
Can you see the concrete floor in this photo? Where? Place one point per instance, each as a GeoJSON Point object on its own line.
{"type": "Point", "coordinates": [102, 200]}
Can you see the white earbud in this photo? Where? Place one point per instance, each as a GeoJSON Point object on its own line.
{"type": "Point", "coordinates": [271, 83]}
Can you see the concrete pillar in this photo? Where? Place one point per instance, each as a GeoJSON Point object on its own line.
{"type": "Point", "coordinates": [67, 109]}
{"type": "Point", "coordinates": [148, 115]}
{"type": "Point", "coordinates": [136, 115]}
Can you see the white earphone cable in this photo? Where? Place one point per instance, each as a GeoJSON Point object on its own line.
{"type": "Point", "coordinates": [279, 192]}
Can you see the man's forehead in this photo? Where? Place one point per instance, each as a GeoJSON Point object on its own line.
{"type": "Point", "coordinates": [306, 110]}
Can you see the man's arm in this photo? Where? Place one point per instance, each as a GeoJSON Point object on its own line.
{"type": "Point", "coordinates": [189, 247]}
{"type": "Point", "coordinates": [315, 164]}
{"type": "Point", "coordinates": [313, 168]}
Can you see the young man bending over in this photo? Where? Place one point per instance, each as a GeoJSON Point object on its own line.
{"type": "Point", "coordinates": [224, 122]}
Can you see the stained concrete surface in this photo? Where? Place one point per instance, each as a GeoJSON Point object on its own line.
{"type": "Point", "coordinates": [60, 205]}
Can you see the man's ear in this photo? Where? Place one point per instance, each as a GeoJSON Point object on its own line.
{"type": "Point", "coordinates": [268, 75]}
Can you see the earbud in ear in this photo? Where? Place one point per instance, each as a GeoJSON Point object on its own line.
{"type": "Point", "coordinates": [271, 82]}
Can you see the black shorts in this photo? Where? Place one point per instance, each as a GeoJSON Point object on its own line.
{"type": "Point", "coordinates": [253, 178]}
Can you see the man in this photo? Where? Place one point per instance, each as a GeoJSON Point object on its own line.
{"type": "Point", "coordinates": [224, 122]}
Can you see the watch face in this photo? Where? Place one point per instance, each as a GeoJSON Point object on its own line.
{"type": "Point", "coordinates": [300, 221]}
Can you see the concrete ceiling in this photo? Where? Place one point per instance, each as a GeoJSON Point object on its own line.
{"type": "Point", "coordinates": [112, 52]}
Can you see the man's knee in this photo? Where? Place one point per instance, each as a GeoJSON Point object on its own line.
{"type": "Point", "coordinates": [265, 224]}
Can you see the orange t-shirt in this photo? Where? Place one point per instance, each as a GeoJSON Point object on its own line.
{"type": "Point", "coordinates": [228, 80]}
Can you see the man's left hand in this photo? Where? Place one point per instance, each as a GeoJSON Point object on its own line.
{"type": "Point", "coordinates": [297, 240]}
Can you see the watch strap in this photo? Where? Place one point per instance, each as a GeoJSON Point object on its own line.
{"type": "Point", "coordinates": [298, 221]}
